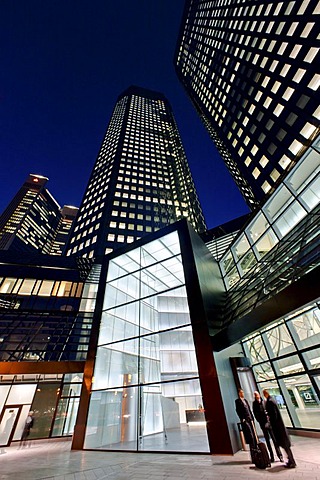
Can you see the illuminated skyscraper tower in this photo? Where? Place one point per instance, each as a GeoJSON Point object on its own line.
{"type": "Point", "coordinates": [34, 222]}
{"type": "Point", "coordinates": [251, 69]}
{"type": "Point", "coordinates": [141, 181]}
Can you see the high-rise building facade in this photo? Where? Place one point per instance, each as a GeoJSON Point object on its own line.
{"type": "Point", "coordinates": [251, 69]}
{"type": "Point", "coordinates": [141, 180]}
{"type": "Point", "coordinates": [32, 218]}
{"type": "Point", "coordinates": [34, 222]}
{"type": "Point", "coordinates": [67, 217]}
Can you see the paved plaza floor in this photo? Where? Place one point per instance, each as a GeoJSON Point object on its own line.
{"type": "Point", "coordinates": [54, 460]}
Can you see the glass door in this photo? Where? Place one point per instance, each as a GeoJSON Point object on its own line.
{"type": "Point", "coordinates": [8, 422]}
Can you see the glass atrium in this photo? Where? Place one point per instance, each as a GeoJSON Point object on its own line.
{"type": "Point", "coordinates": [146, 393]}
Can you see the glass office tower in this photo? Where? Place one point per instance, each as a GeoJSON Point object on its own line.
{"type": "Point", "coordinates": [141, 181]}
{"type": "Point", "coordinates": [251, 71]}
{"type": "Point", "coordinates": [34, 222]}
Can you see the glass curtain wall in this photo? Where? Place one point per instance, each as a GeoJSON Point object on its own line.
{"type": "Point", "coordinates": [291, 202]}
{"type": "Point", "coordinates": [146, 393]}
{"type": "Point", "coordinates": [286, 360]}
{"type": "Point", "coordinates": [54, 399]}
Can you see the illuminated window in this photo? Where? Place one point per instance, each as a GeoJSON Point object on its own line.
{"type": "Point", "coordinates": [292, 28]}
{"type": "Point", "coordinates": [308, 130]}
{"type": "Point", "coordinates": [278, 109]}
{"type": "Point", "coordinates": [282, 48]}
{"type": "Point", "coordinates": [315, 82]}
{"type": "Point", "coordinates": [274, 174]}
{"type": "Point", "coordinates": [311, 54]}
{"type": "Point", "coordinates": [267, 102]}
{"type": "Point", "coordinates": [284, 162]}
{"type": "Point", "coordinates": [288, 93]}
{"type": "Point", "coordinates": [275, 87]}
{"type": "Point", "coordinates": [285, 70]}
{"type": "Point", "coordinates": [266, 187]}
{"type": "Point", "coordinates": [299, 75]}
{"type": "Point", "coordinates": [296, 49]}
{"type": "Point", "coordinates": [264, 161]}
{"type": "Point", "coordinates": [256, 172]}
{"type": "Point", "coordinates": [295, 147]}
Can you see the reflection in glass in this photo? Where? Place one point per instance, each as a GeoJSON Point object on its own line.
{"type": "Point", "coordinates": [241, 247]}
{"type": "Point", "coordinates": [289, 219]}
{"type": "Point", "coordinates": [306, 327]}
{"type": "Point", "coordinates": [288, 365]}
{"type": "Point", "coordinates": [278, 202]}
{"type": "Point", "coordinates": [279, 341]}
{"type": "Point", "coordinates": [312, 358]}
{"type": "Point", "coordinates": [305, 171]}
{"type": "Point", "coordinates": [258, 227]}
{"type": "Point", "coordinates": [263, 372]}
{"type": "Point", "coordinates": [228, 262]}
{"type": "Point", "coordinates": [304, 401]}
{"type": "Point", "coordinates": [233, 276]}
{"type": "Point", "coordinates": [248, 261]}
{"type": "Point", "coordinates": [294, 390]}
{"type": "Point", "coordinates": [148, 417]}
{"type": "Point", "coordinates": [311, 196]}
{"type": "Point", "coordinates": [160, 249]}
{"type": "Point", "coordinates": [255, 349]}
{"type": "Point", "coordinates": [267, 242]}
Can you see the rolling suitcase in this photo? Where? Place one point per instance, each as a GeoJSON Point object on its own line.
{"type": "Point", "coordinates": [259, 455]}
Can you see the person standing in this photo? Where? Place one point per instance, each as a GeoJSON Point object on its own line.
{"type": "Point", "coordinates": [261, 416]}
{"type": "Point", "coordinates": [246, 417]}
{"type": "Point", "coordinates": [27, 429]}
{"type": "Point", "coordinates": [278, 427]}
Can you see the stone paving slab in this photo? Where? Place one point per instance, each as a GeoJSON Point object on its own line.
{"type": "Point", "coordinates": [50, 460]}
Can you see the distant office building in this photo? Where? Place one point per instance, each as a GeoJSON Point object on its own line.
{"type": "Point", "coordinates": [33, 221]}
{"type": "Point", "coordinates": [141, 180]}
{"type": "Point", "coordinates": [30, 221]}
{"type": "Point", "coordinates": [251, 70]}
{"type": "Point", "coordinates": [68, 215]}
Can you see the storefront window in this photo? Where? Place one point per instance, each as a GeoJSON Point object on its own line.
{"type": "Point", "coordinates": [304, 402]}
{"type": "Point", "coordinates": [289, 373]}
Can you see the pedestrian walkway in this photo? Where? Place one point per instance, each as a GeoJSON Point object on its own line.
{"type": "Point", "coordinates": [53, 460]}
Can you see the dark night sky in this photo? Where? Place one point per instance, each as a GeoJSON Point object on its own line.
{"type": "Point", "coordinates": [63, 64]}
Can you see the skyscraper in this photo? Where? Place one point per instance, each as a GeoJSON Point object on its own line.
{"type": "Point", "coordinates": [140, 182]}
{"type": "Point", "coordinates": [251, 70]}
{"type": "Point", "coordinates": [67, 217]}
{"type": "Point", "coordinates": [33, 220]}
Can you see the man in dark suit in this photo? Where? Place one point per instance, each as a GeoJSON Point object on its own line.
{"type": "Point", "coordinates": [278, 427]}
{"type": "Point", "coordinates": [246, 417]}
{"type": "Point", "coordinates": [261, 416]}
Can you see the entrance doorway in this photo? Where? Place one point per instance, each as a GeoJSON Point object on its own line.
{"type": "Point", "coordinates": [8, 422]}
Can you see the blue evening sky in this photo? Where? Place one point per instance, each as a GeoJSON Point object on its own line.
{"type": "Point", "coordinates": [63, 64]}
